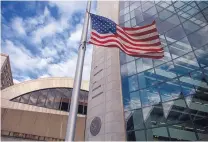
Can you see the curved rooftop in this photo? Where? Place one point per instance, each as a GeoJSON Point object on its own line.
{"type": "Point", "coordinates": [17, 96]}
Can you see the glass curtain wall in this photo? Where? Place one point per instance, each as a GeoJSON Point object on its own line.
{"type": "Point", "coordinates": [167, 99]}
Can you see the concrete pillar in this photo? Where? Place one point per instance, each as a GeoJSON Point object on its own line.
{"type": "Point", "coordinates": [105, 118]}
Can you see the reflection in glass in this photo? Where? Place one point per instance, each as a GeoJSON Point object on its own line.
{"type": "Point", "coordinates": [50, 99]}
{"type": "Point", "coordinates": [157, 134]}
{"type": "Point", "coordinates": [155, 117]}
{"type": "Point", "coordinates": [25, 98]}
{"type": "Point", "coordinates": [202, 55]}
{"type": "Point", "coordinates": [199, 38]}
{"type": "Point", "coordinates": [143, 64]}
{"type": "Point", "coordinates": [185, 64]}
{"type": "Point", "coordinates": [165, 71]}
{"type": "Point", "coordinates": [134, 120]}
{"type": "Point", "coordinates": [147, 78]}
{"type": "Point", "coordinates": [202, 128]}
{"type": "Point", "coordinates": [149, 96]}
{"type": "Point", "coordinates": [42, 97]}
{"type": "Point", "coordinates": [33, 98]}
{"type": "Point", "coordinates": [131, 68]}
{"type": "Point", "coordinates": [57, 101]}
{"type": "Point", "coordinates": [136, 136]}
{"type": "Point", "coordinates": [180, 48]}
{"type": "Point", "coordinates": [135, 102]}
{"type": "Point", "coordinates": [170, 90]}
{"type": "Point", "coordinates": [178, 112]}
{"type": "Point", "coordinates": [182, 132]}
{"type": "Point", "coordinates": [133, 84]}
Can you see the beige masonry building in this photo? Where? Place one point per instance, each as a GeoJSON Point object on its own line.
{"type": "Point", "coordinates": [38, 110]}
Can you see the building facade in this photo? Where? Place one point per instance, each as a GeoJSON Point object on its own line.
{"type": "Point", "coordinates": [6, 73]}
{"type": "Point", "coordinates": [38, 110]}
{"type": "Point", "coordinates": [143, 99]}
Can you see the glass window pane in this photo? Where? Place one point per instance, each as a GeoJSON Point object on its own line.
{"type": "Point", "coordinates": [154, 116]}
{"type": "Point", "coordinates": [127, 17]}
{"type": "Point", "coordinates": [143, 64]}
{"type": "Point", "coordinates": [147, 6]}
{"type": "Point", "coordinates": [190, 26]}
{"type": "Point", "coordinates": [85, 110]}
{"type": "Point", "coordinates": [50, 99]}
{"type": "Point", "coordinates": [170, 90]}
{"type": "Point", "coordinates": [135, 102]}
{"type": "Point", "coordinates": [168, 24]}
{"type": "Point", "coordinates": [136, 136]}
{"type": "Point", "coordinates": [57, 101]}
{"type": "Point", "coordinates": [147, 78]}
{"type": "Point", "coordinates": [198, 80]}
{"type": "Point", "coordinates": [25, 98]}
{"type": "Point", "coordinates": [131, 67]}
{"type": "Point", "coordinates": [185, 64]}
{"type": "Point", "coordinates": [157, 134]}
{"type": "Point", "coordinates": [126, 10]}
{"type": "Point", "coordinates": [133, 22]}
{"type": "Point", "coordinates": [121, 19]}
{"type": "Point", "coordinates": [126, 3]}
{"type": "Point", "coordinates": [180, 48]}
{"type": "Point", "coordinates": [182, 132]}
{"type": "Point", "coordinates": [199, 38]}
{"type": "Point", "coordinates": [165, 71]}
{"type": "Point", "coordinates": [133, 6]}
{"type": "Point", "coordinates": [187, 86]}
{"type": "Point", "coordinates": [150, 12]}
{"type": "Point", "coordinates": [179, 4]}
{"type": "Point", "coordinates": [134, 120]}
{"type": "Point", "coordinates": [65, 104]}
{"type": "Point", "coordinates": [121, 4]}
{"type": "Point", "coordinates": [16, 99]}
{"type": "Point", "coordinates": [202, 128]}
{"type": "Point", "coordinates": [175, 34]}
{"type": "Point", "coordinates": [127, 24]}
{"type": "Point", "coordinates": [80, 109]}
{"type": "Point", "coordinates": [202, 4]}
{"type": "Point", "coordinates": [33, 97]}
{"type": "Point", "coordinates": [165, 14]}
{"type": "Point", "coordinates": [202, 56]}
{"type": "Point", "coordinates": [42, 97]}
{"type": "Point", "coordinates": [149, 96]}
{"type": "Point", "coordinates": [159, 8]}
{"type": "Point", "coordinates": [138, 16]}
{"type": "Point", "coordinates": [132, 14]}
{"type": "Point", "coordinates": [133, 84]}
{"type": "Point", "coordinates": [122, 12]}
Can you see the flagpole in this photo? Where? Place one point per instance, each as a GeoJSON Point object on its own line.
{"type": "Point", "coordinates": [71, 125]}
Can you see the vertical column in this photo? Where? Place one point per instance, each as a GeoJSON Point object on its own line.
{"type": "Point", "coordinates": [105, 118]}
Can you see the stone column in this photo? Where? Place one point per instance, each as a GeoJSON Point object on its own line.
{"type": "Point", "coordinates": [105, 117]}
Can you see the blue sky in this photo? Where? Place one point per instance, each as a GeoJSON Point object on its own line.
{"type": "Point", "coordinates": [42, 38]}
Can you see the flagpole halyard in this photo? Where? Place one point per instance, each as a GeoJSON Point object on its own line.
{"type": "Point", "coordinates": [71, 125]}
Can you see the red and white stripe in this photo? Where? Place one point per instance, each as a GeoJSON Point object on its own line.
{"type": "Point", "coordinates": [137, 41]}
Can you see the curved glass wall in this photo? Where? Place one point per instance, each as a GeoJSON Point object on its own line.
{"type": "Point", "coordinates": [167, 99]}
{"type": "Point", "coordinates": [54, 98]}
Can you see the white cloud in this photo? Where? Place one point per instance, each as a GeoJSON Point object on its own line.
{"type": "Point", "coordinates": [44, 76]}
{"type": "Point", "coordinates": [22, 59]}
{"type": "Point", "coordinates": [69, 7]}
{"type": "Point", "coordinates": [16, 81]}
{"type": "Point", "coordinates": [18, 26]}
{"type": "Point", "coordinates": [55, 57]}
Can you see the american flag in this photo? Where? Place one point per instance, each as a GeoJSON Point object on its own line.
{"type": "Point", "coordinates": [137, 41]}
